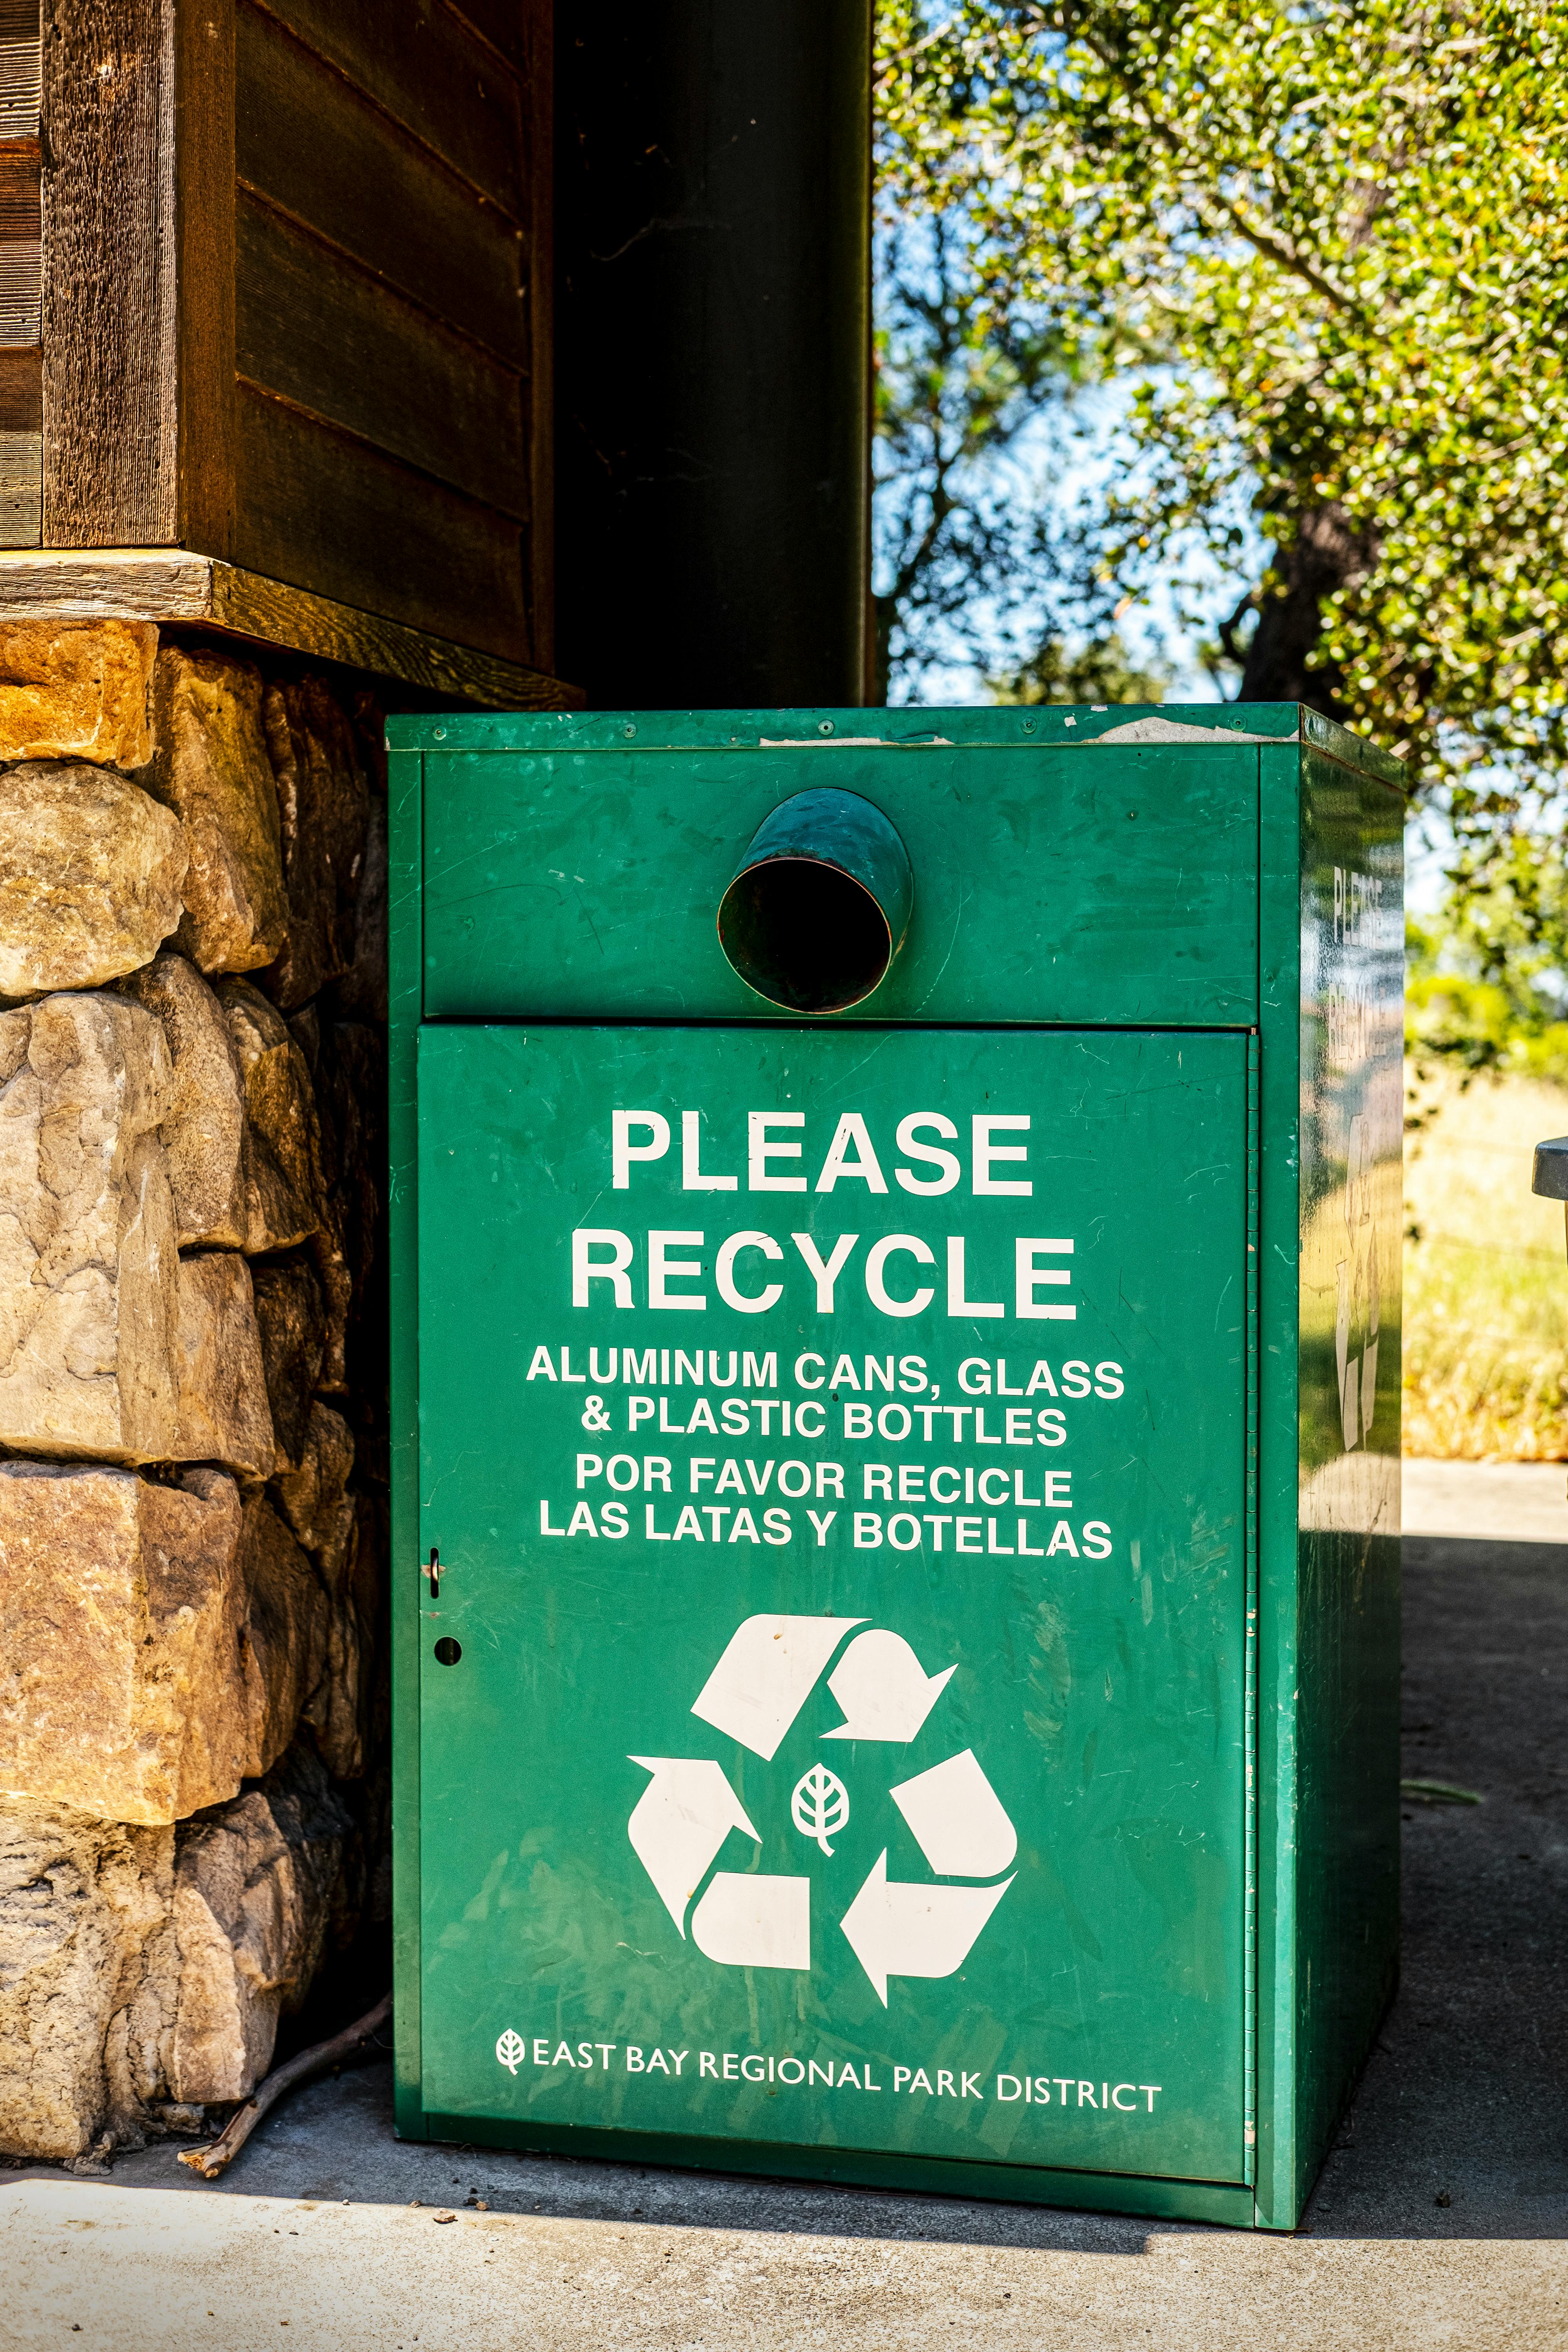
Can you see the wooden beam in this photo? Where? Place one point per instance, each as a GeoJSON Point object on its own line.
{"type": "Point", "coordinates": [168, 585]}
{"type": "Point", "coordinates": [204, 241]}
{"type": "Point", "coordinates": [110, 327]}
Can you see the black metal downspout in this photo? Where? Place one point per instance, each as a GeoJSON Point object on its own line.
{"type": "Point", "coordinates": [714, 350]}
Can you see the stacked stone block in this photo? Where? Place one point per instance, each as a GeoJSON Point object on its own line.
{"type": "Point", "coordinates": [192, 1523]}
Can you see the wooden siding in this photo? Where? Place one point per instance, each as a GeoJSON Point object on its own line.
{"type": "Point", "coordinates": [315, 331]}
{"type": "Point", "coordinates": [290, 304]}
{"type": "Point", "coordinates": [21, 276]}
{"type": "Point", "coordinates": [321, 500]}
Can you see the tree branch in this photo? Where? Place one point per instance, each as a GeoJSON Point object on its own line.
{"type": "Point", "coordinates": [210, 2161]}
{"type": "Point", "coordinates": [1272, 248]}
{"type": "Point", "coordinates": [1262, 241]}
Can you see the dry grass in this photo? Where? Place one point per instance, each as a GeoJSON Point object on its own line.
{"type": "Point", "coordinates": [1486, 1282]}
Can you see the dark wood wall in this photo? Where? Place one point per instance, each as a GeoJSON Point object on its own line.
{"type": "Point", "coordinates": [275, 287]}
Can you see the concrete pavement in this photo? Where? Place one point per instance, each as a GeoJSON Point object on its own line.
{"type": "Point", "coordinates": [135, 2268]}
{"type": "Point", "coordinates": [1520, 1502]}
{"type": "Point", "coordinates": [1440, 2220]}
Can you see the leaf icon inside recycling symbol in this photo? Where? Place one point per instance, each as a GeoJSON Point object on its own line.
{"type": "Point", "coordinates": [768, 1670]}
{"type": "Point", "coordinates": [820, 1802]}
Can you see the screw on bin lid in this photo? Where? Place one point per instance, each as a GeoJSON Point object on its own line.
{"type": "Point", "coordinates": [1552, 1169]}
{"type": "Point", "coordinates": [819, 904]}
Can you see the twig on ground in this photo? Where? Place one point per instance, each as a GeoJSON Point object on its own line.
{"type": "Point", "coordinates": [1438, 1792]}
{"type": "Point", "coordinates": [211, 2160]}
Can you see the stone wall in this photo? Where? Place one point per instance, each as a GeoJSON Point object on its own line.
{"type": "Point", "coordinates": [192, 1733]}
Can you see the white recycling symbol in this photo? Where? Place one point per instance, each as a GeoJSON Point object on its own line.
{"type": "Point", "coordinates": [896, 1927]}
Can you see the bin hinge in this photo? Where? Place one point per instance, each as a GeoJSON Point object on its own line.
{"type": "Point", "coordinates": [434, 1572]}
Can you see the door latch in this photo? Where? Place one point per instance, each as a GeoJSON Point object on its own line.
{"type": "Point", "coordinates": [433, 1573]}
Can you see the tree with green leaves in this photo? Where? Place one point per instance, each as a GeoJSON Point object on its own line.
{"type": "Point", "coordinates": [1487, 975]}
{"type": "Point", "coordinates": [1328, 241]}
{"type": "Point", "coordinates": [965, 561]}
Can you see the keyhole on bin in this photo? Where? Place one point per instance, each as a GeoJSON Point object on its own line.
{"type": "Point", "coordinates": [447, 1652]}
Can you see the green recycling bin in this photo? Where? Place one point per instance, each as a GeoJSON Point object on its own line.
{"type": "Point", "coordinates": [896, 1430]}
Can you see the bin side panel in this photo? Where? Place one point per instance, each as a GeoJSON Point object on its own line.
{"type": "Point", "coordinates": [1279, 996]}
{"type": "Point", "coordinates": [1067, 884]}
{"type": "Point", "coordinates": [1347, 1811]}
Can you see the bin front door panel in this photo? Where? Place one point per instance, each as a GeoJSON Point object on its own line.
{"type": "Point", "coordinates": [835, 1444]}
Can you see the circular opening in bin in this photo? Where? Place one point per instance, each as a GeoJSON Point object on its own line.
{"type": "Point", "coordinates": [448, 1651]}
{"type": "Point", "coordinates": [805, 935]}
{"type": "Point", "coordinates": [820, 904]}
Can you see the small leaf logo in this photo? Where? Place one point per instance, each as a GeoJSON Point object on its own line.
{"type": "Point", "coordinates": [820, 1804]}
{"type": "Point", "coordinates": [509, 2049]}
